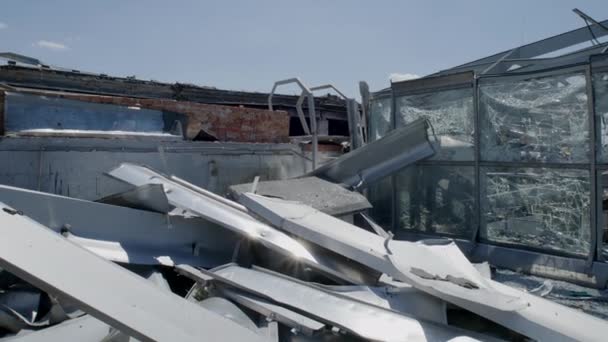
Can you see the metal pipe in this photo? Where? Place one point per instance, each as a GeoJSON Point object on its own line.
{"type": "Point", "coordinates": [311, 112]}
{"type": "Point", "coordinates": [313, 125]}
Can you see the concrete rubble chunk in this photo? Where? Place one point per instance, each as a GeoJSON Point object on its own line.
{"type": "Point", "coordinates": [320, 194]}
{"type": "Point", "coordinates": [108, 292]}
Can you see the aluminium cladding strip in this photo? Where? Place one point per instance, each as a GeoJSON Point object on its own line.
{"type": "Point", "coordinates": [372, 162]}
{"type": "Point", "coordinates": [235, 217]}
{"type": "Point", "coordinates": [105, 290]}
{"type": "Point", "coordinates": [436, 268]}
{"type": "Point", "coordinates": [402, 260]}
{"type": "Point", "coordinates": [360, 318]}
{"type": "Point", "coordinates": [126, 235]}
{"type": "Point", "coordinates": [405, 299]}
{"type": "Point", "coordinates": [290, 318]}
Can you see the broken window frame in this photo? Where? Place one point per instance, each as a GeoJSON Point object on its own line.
{"type": "Point", "coordinates": [375, 191]}
{"type": "Point", "coordinates": [425, 86]}
{"type": "Point", "coordinates": [374, 132]}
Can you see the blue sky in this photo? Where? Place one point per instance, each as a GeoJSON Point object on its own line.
{"type": "Point", "coordinates": [247, 45]}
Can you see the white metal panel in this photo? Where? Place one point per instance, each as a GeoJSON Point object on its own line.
{"type": "Point", "coordinates": [108, 292]}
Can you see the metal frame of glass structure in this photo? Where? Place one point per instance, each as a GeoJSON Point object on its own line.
{"type": "Point", "coordinates": [548, 141]}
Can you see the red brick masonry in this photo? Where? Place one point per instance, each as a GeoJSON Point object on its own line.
{"type": "Point", "coordinates": [226, 123]}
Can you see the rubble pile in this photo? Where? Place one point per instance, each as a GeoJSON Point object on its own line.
{"type": "Point", "coordinates": [170, 261]}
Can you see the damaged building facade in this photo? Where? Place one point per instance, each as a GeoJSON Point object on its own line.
{"type": "Point", "coordinates": [467, 205]}
{"type": "Point", "coordinates": [519, 175]}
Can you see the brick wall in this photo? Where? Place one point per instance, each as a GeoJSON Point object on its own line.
{"type": "Point", "coordinates": [227, 123]}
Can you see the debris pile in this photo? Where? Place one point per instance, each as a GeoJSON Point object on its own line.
{"type": "Point", "coordinates": [292, 260]}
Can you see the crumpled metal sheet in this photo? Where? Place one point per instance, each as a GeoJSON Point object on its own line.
{"type": "Point", "coordinates": [19, 308]}
{"type": "Point", "coordinates": [232, 216]}
{"type": "Point", "coordinates": [106, 291]}
{"type": "Point", "coordinates": [298, 322]}
{"type": "Point", "coordinates": [404, 299]}
{"type": "Point", "coordinates": [399, 259]}
{"type": "Point", "coordinates": [74, 325]}
{"type": "Point", "coordinates": [452, 277]}
{"type": "Point", "coordinates": [360, 318]}
{"type": "Point", "coordinates": [147, 197]}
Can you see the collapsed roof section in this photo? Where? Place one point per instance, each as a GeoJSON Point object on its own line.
{"type": "Point", "coordinates": [32, 112]}
{"type": "Point", "coordinates": [29, 73]}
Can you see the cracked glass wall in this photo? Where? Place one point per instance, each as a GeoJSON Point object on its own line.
{"type": "Point", "coordinates": [603, 227]}
{"type": "Point", "coordinates": [534, 158]}
{"type": "Point", "coordinates": [535, 120]}
{"type": "Point", "coordinates": [450, 112]}
{"type": "Point", "coordinates": [380, 195]}
{"type": "Point", "coordinates": [380, 118]}
{"type": "Point", "coordinates": [434, 198]}
{"type": "Point", "coordinates": [600, 88]}
{"type": "Point", "coordinates": [538, 207]}
{"type": "Point", "coordinates": [437, 199]}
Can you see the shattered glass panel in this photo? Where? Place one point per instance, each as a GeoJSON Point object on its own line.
{"type": "Point", "coordinates": [603, 225]}
{"type": "Point", "coordinates": [437, 199]}
{"type": "Point", "coordinates": [379, 118]}
{"type": "Point", "coordinates": [535, 120]}
{"type": "Point", "coordinates": [600, 89]}
{"type": "Point", "coordinates": [380, 196]}
{"type": "Point", "coordinates": [451, 114]}
{"type": "Point", "coordinates": [542, 208]}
